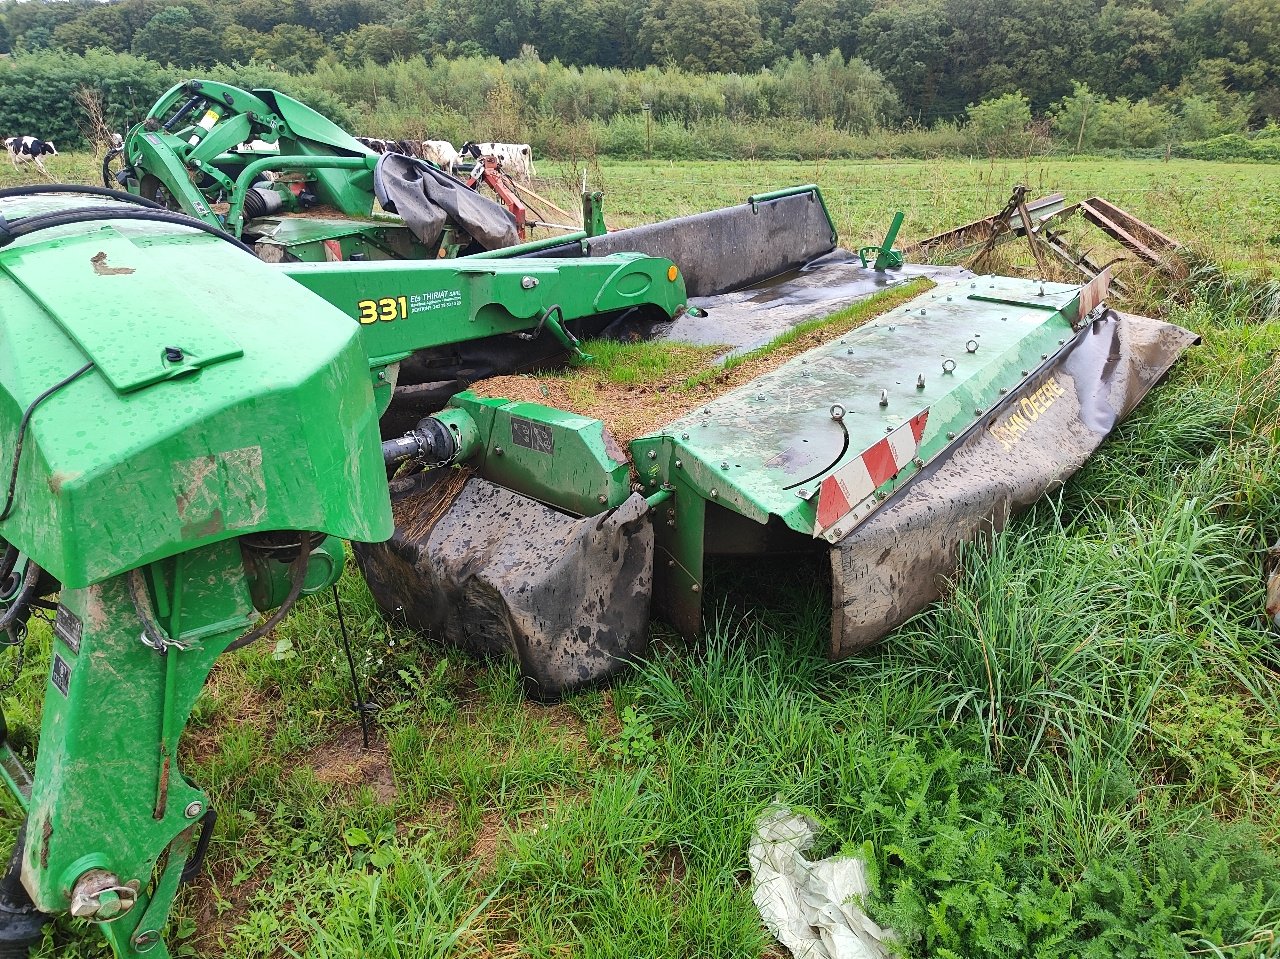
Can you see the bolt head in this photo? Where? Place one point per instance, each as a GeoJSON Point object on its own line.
{"type": "Point", "coordinates": [529, 282]}
{"type": "Point", "coordinates": [679, 464]}
{"type": "Point", "coordinates": [602, 499]}
{"type": "Point", "coordinates": [109, 904]}
{"type": "Point", "coordinates": [497, 451]}
{"type": "Point", "coordinates": [696, 588]}
{"type": "Point", "coordinates": [714, 492]}
{"type": "Point", "coordinates": [652, 455]}
{"type": "Point", "coordinates": [194, 810]}
{"type": "Point", "coordinates": [145, 940]}
{"type": "Point", "coordinates": [684, 436]}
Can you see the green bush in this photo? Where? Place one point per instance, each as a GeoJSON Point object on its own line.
{"type": "Point", "coordinates": [1000, 127]}
{"type": "Point", "coordinates": [1263, 146]}
{"type": "Point", "coordinates": [37, 92]}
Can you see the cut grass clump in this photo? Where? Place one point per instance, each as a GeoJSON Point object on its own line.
{"type": "Point", "coordinates": [740, 367]}
{"type": "Point", "coordinates": [637, 388]}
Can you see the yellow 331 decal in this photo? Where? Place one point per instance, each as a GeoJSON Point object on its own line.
{"type": "Point", "coordinates": [387, 309]}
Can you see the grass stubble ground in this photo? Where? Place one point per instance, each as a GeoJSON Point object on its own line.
{"type": "Point", "coordinates": [1076, 754]}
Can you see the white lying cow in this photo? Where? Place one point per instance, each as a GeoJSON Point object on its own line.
{"type": "Point", "coordinates": [30, 150]}
{"type": "Point", "coordinates": [517, 158]}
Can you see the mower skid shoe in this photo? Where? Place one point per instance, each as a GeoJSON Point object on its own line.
{"type": "Point", "coordinates": [901, 558]}
{"type": "Point", "coordinates": [494, 572]}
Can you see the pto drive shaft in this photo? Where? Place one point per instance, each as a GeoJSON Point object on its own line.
{"type": "Point", "coordinates": [441, 439]}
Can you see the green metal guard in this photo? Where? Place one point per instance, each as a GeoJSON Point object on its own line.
{"type": "Point", "coordinates": [887, 258]}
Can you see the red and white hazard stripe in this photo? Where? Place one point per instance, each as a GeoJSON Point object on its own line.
{"type": "Point", "coordinates": [849, 488]}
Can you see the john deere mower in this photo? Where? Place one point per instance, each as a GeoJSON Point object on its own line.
{"type": "Point", "coordinates": [192, 385]}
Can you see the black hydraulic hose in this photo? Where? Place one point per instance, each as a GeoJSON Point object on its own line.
{"type": "Point", "coordinates": [151, 631]}
{"type": "Point", "coordinates": [183, 110]}
{"type": "Point", "coordinates": [298, 577]}
{"type": "Point", "coordinates": [36, 189]}
{"type": "Point", "coordinates": [107, 178]}
{"type": "Point", "coordinates": [22, 433]}
{"type": "Point", "coordinates": [30, 582]}
{"type": "Point", "coordinates": [10, 560]}
{"type": "Point", "coordinates": [27, 225]}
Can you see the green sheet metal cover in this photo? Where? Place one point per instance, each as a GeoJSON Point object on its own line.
{"type": "Point", "coordinates": [283, 436]}
{"type": "Point", "coordinates": [765, 447]}
{"type": "Point", "coordinates": [127, 340]}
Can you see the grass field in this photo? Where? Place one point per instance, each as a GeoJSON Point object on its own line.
{"type": "Point", "coordinates": [1076, 754]}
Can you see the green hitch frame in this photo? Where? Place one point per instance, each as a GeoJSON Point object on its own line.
{"type": "Point", "coordinates": [285, 164]}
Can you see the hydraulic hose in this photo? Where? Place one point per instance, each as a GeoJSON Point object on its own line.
{"type": "Point", "coordinates": [44, 221]}
{"type": "Point", "coordinates": [36, 189]}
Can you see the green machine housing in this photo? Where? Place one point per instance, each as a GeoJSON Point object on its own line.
{"type": "Point", "coordinates": [194, 430]}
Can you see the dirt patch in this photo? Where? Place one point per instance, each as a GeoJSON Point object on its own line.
{"type": "Point", "coordinates": [489, 839]}
{"type": "Point", "coordinates": [670, 868]}
{"type": "Point", "coordinates": [347, 763]}
{"type": "Point", "coordinates": [218, 905]}
{"type": "Point", "coordinates": [247, 706]}
{"type": "Point", "coordinates": [609, 717]}
{"type": "Point", "coordinates": [563, 723]}
{"type": "Point", "coordinates": [629, 411]}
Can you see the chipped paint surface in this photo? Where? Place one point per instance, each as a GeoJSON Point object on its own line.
{"type": "Point", "coordinates": [220, 492]}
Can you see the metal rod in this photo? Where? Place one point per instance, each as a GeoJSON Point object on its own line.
{"type": "Point", "coordinates": [533, 246]}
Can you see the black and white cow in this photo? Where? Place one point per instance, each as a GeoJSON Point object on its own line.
{"type": "Point", "coordinates": [30, 150]}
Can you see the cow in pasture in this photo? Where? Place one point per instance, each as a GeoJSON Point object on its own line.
{"type": "Point", "coordinates": [442, 154]}
{"type": "Point", "coordinates": [517, 158]}
{"type": "Point", "coordinates": [23, 150]}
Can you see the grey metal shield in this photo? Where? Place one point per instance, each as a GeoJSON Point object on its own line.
{"type": "Point", "coordinates": [901, 557]}
{"type": "Point", "coordinates": [493, 572]}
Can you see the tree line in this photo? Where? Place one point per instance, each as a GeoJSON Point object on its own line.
{"type": "Point", "coordinates": [934, 58]}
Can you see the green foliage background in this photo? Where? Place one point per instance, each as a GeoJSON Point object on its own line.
{"type": "Point", "coordinates": [804, 77]}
